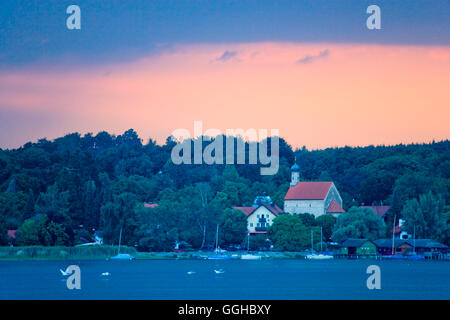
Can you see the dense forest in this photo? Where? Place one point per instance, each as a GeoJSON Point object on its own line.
{"type": "Point", "coordinates": [58, 192]}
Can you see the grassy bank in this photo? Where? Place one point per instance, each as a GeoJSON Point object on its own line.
{"type": "Point", "coordinates": [61, 253]}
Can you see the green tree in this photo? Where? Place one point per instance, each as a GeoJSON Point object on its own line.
{"type": "Point", "coordinates": [327, 223]}
{"type": "Point", "coordinates": [34, 232]}
{"type": "Point", "coordinates": [289, 233]}
{"type": "Point", "coordinates": [308, 219]}
{"type": "Point", "coordinates": [425, 216]}
{"type": "Point", "coordinates": [233, 226]}
{"type": "Point", "coordinates": [358, 223]}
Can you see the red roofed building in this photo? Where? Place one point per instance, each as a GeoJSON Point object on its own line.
{"type": "Point", "coordinates": [335, 209]}
{"type": "Point", "coordinates": [11, 236]}
{"type": "Point", "coordinates": [314, 197]}
{"type": "Point", "coordinates": [260, 216]}
{"type": "Point", "coordinates": [150, 205]}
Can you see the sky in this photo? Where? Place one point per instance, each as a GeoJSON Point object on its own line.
{"type": "Point", "coordinates": [310, 69]}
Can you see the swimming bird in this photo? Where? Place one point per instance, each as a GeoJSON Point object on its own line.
{"type": "Point", "coordinates": [64, 273]}
{"type": "Point", "coordinates": [106, 274]}
{"type": "Point", "coordinates": [220, 271]}
{"type": "Point", "coordinates": [191, 272]}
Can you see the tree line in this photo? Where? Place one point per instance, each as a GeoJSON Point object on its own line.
{"type": "Point", "coordinates": [59, 192]}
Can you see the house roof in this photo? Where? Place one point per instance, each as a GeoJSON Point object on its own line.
{"type": "Point", "coordinates": [309, 190]}
{"type": "Point", "coordinates": [387, 243]}
{"type": "Point", "coordinates": [379, 210]}
{"type": "Point", "coordinates": [271, 207]}
{"type": "Point", "coordinates": [150, 205]}
{"type": "Point", "coordinates": [335, 207]}
{"type": "Point", "coordinates": [419, 243]}
{"type": "Point", "coordinates": [427, 243]}
{"type": "Point", "coordinates": [354, 242]}
{"type": "Point", "coordinates": [11, 234]}
{"type": "Point", "coordinates": [247, 210]}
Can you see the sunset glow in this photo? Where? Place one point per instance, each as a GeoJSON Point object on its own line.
{"type": "Point", "coordinates": [355, 95]}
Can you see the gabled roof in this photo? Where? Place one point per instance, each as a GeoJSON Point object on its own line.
{"type": "Point", "coordinates": [271, 207]}
{"type": "Point", "coordinates": [379, 210]}
{"type": "Point", "coordinates": [247, 210]}
{"type": "Point", "coordinates": [335, 207]}
{"type": "Point", "coordinates": [354, 242]}
{"type": "Point", "coordinates": [11, 234]}
{"type": "Point", "coordinates": [309, 190]}
{"type": "Point", "coordinates": [150, 205]}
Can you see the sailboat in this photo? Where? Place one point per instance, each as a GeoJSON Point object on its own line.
{"type": "Point", "coordinates": [249, 256]}
{"type": "Point", "coordinates": [122, 256]}
{"type": "Point", "coordinates": [315, 256]}
{"type": "Point", "coordinates": [414, 255]}
{"type": "Point", "coordinates": [217, 251]}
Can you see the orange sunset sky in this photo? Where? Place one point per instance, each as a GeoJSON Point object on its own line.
{"type": "Point", "coordinates": [355, 94]}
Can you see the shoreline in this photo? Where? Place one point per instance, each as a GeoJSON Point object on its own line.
{"type": "Point", "coordinates": [102, 253]}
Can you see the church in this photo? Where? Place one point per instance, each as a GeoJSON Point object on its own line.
{"type": "Point", "coordinates": [314, 197]}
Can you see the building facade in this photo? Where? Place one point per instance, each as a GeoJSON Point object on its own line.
{"type": "Point", "coordinates": [260, 216]}
{"type": "Point", "coordinates": [313, 197]}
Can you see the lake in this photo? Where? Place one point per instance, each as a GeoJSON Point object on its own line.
{"type": "Point", "coordinates": [253, 280]}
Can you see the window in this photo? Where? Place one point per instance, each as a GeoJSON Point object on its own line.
{"type": "Point", "coordinates": [251, 224]}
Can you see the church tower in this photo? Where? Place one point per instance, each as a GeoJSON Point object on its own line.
{"type": "Point", "coordinates": [295, 175]}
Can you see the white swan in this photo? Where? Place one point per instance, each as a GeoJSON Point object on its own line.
{"type": "Point", "coordinates": [191, 272]}
{"type": "Point", "coordinates": [64, 273]}
{"type": "Point", "coordinates": [220, 271]}
{"type": "Point", "coordinates": [106, 274]}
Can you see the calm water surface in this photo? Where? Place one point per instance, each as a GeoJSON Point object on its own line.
{"type": "Point", "coordinates": [266, 279]}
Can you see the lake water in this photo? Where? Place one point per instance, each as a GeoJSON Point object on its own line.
{"type": "Point", "coordinates": [265, 279]}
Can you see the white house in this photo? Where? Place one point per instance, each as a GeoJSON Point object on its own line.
{"type": "Point", "coordinates": [314, 197]}
{"type": "Point", "coordinates": [260, 216]}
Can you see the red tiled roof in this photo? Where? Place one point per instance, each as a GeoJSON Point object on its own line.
{"type": "Point", "coordinates": [379, 210]}
{"type": "Point", "coordinates": [257, 232]}
{"type": "Point", "coordinates": [309, 190]}
{"type": "Point", "coordinates": [12, 234]}
{"type": "Point", "coordinates": [335, 207]}
{"type": "Point", "coordinates": [274, 209]}
{"type": "Point", "coordinates": [271, 207]}
{"type": "Point", "coordinates": [150, 205]}
{"type": "Point", "coordinates": [247, 210]}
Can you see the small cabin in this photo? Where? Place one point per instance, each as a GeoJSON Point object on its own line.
{"type": "Point", "coordinates": [358, 247]}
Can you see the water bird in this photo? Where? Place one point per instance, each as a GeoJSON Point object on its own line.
{"type": "Point", "coordinates": [64, 273]}
{"type": "Point", "coordinates": [191, 272]}
{"type": "Point", "coordinates": [220, 271]}
{"type": "Point", "coordinates": [106, 274]}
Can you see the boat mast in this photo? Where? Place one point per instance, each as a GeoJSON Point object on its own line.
{"type": "Point", "coordinates": [321, 239]}
{"type": "Point", "coordinates": [414, 240]}
{"type": "Point", "coordinates": [312, 242]}
{"type": "Point", "coordinates": [120, 239]}
{"type": "Point", "coordinates": [217, 238]}
{"type": "Point", "coordinates": [393, 233]}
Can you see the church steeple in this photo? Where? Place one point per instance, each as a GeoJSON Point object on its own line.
{"type": "Point", "coordinates": [295, 173]}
